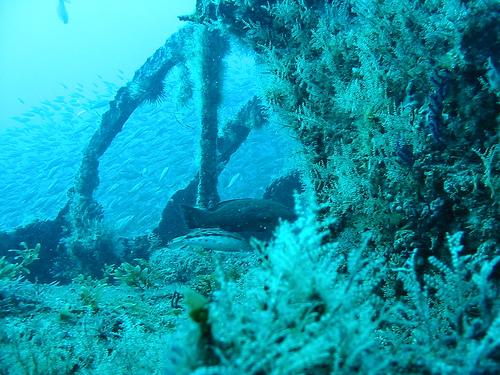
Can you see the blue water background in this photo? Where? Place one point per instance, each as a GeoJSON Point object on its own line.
{"type": "Point", "coordinates": [55, 85]}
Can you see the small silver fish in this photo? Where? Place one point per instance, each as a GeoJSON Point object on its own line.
{"type": "Point", "coordinates": [233, 180]}
{"type": "Point", "coordinates": [62, 12]}
{"type": "Point", "coordinates": [213, 239]}
{"type": "Point", "coordinates": [163, 173]}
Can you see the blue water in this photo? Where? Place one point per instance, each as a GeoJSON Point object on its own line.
{"type": "Point", "coordinates": [55, 89]}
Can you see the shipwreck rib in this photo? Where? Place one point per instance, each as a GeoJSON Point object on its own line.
{"type": "Point", "coordinates": [146, 85]}
{"type": "Point", "coordinates": [213, 47]}
{"type": "Point", "coordinates": [235, 132]}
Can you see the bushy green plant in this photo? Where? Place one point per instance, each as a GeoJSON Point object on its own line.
{"type": "Point", "coordinates": [307, 308]}
{"type": "Point", "coordinates": [316, 306]}
{"type": "Point", "coordinates": [90, 291]}
{"type": "Point", "coordinates": [453, 315]}
{"type": "Point", "coordinates": [140, 276]}
{"type": "Point", "coordinates": [23, 258]}
{"type": "Point", "coordinates": [8, 270]}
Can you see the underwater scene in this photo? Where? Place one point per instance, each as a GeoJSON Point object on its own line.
{"type": "Point", "coordinates": [249, 187]}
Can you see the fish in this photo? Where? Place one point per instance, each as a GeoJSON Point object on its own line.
{"type": "Point", "coordinates": [163, 173]}
{"type": "Point", "coordinates": [233, 180]}
{"type": "Point", "coordinates": [52, 171]}
{"type": "Point", "coordinates": [137, 187]}
{"type": "Point", "coordinates": [122, 223]}
{"type": "Point", "coordinates": [62, 12]}
{"type": "Point", "coordinates": [239, 215]}
{"type": "Point", "coordinates": [213, 239]}
{"type": "Point", "coordinates": [99, 104]}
